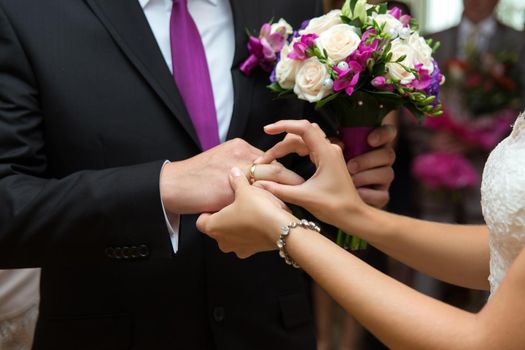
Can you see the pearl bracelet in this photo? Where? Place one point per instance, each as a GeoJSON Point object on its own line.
{"type": "Point", "coordinates": [285, 232]}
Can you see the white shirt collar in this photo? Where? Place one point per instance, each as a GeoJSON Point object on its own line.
{"type": "Point", "coordinates": [144, 3]}
{"type": "Point", "coordinates": [486, 27]}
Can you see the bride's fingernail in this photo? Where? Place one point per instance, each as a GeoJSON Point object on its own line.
{"type": "Point", "coordinates": [236, 172]}
{"type": "Point", "coordinates": [257, 160]}
{"type": "Point", "coordinates": [267, 126]}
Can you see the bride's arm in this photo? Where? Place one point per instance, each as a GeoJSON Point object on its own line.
{"type": "Point", "coordinates": [452, 253]}
{"type": "Point", "coordinates": [400, 316]}
{"type": "Point", "coordinates": [457, 254]}
{"type": "Point", "coordinates": [404, 318]}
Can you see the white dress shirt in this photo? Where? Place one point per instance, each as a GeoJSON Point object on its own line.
{"type": "Point", "coordinates": [214, 21]}
{"type": "Point", "coordinates": [19, 290]}
{"type": "Point", "coordinates": [478, 35]}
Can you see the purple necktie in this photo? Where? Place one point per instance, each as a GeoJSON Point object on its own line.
{"type": "Point", "coordinates": [190, 70]}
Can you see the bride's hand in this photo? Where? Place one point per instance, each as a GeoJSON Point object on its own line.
{"type": "Point", "coordinates": [249, 225]}
{"type": "Point", "coordinates": [330, 193]}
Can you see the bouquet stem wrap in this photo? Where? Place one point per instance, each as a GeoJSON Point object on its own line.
{"type": "Point", "coordinates": [355, 140]}
{"type": "Point", "coordinates": [357, 117]}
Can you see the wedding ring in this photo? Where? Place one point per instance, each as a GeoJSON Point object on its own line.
{"type": "Point", "coordinates": [251, 175]}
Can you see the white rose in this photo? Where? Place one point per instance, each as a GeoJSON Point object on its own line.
{"type": "Point", "coordinates": [286, 69]}
{"type": "Point", "coordinates": [396, 71]}
{"type": "Point", "coordinates": [282, 24]}
{"type": "Point", "coordinates": [320, 24]}
{"type": "Point", "coordinates": [422, 52]}
{"type": "Point", "coordinates": [392, 25]}
{"type": "Point", "coordinates": [309, 81]}
{"type": "Point", "coordinates": [339, 42]}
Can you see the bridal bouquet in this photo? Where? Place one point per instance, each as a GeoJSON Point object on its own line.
{"type": "Point", "coordinates": [357, 64]}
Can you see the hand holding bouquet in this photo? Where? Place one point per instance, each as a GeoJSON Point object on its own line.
{"type": "Point", "coordinates": [356, 64]}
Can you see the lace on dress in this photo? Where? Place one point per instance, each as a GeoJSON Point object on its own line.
{"type": "Point", "coordinates": [503, 202]}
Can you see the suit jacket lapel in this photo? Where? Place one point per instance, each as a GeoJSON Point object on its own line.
{"type": "Point", "coordinates": [125, 21]}
{"type": "Point", "coordinates": [245, 15]}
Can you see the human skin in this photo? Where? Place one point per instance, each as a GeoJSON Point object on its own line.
{"type": "Point", "coordinates": [400, 316]}
{"type": "Point", "coordinates": [200, 184]}
{"type": "Point", "coordinates": [478, 10]}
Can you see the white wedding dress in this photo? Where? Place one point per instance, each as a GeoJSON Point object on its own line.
{"type": "Point", "coordinates": [503, 202]}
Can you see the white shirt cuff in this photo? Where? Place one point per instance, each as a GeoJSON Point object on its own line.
{"type": "Point", "coordinates": [172, 222]}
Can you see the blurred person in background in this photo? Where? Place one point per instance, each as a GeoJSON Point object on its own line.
{"type": "Point", "coordinates": [484, 90]}
{"type": "Point", "coordinates": [19, 298]}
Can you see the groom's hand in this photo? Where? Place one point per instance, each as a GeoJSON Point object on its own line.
{"type": "Point", "coordinates": [372, 172]}
{"type": "Point", "coordinates": [200, 184]}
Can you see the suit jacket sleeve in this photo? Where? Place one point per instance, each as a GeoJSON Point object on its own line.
{"type": "Point", "coordinates": [47, 220]}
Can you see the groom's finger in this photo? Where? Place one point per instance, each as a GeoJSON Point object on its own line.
{"type": "Point", "coordinates": [375, 198]}
{"type": "Point", "coordinates": [381, 157]}
{"type": "Point", "coordinates": [276, 172]}
{"type": "Point", "coordinates": [383, 135]}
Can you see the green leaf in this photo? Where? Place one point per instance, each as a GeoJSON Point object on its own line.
{"type": "Point", "coordinates": [382, 8]}
{"type": "Point", "coordinates": [275, 87]}
{"type": "Point", "coordinates": [320, 104]}
{"type": "Point", "coordinates": [352, 5]}
{"type": "Point", "coordinates": [355, 23]}
{"type": "Point", "coordinates": [400, 59]}
{"type": "Point", "coordinates": [345, 10]}
{"type": "Point", "coordinates": [436, 47]}
{"type": "Point", "coordinates": [428, 100]}
{"type": "Point", "coordinates": [416, 112]}
{"type": "Point", "coordinates": [346, 20]}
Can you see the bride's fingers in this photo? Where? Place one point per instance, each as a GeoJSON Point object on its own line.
{"type": "Point", "coordinates": [312, 135]}
{"type": "Point", "coordinates": [288, 194]}
{"type": "Point", "coordinates": [291, 144]}
{"type": "Point", "coordinates": [274, 199]}
{"type": "Point", "coordinates": [203, 223]}
{"type": "Point", "coordinates": [276, 172]}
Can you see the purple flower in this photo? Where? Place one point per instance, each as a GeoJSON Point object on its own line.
{"type": "Point", "coordinates": [299, 48]}
{"type": "Point", "coordinates": [263, 49]}
{"type": "Point", "coordinates": [299, 51]}
{"type": "Point", "coordinates": [396, 12]}
{"type": "Point", "coordinates": [424, 79]}
{"type": "Point", "coordinates": [379, 82]}
{"type": "Point", "coordinates": [304, 24]}
{"type": "Point", "coordinates": [309, 39]}
{"type": "Point", "coordinates": [405, 19]}
{"type": "Point", "coordinates": [365, 50]}
{"type": "Point", "coordinates": [435, 83]}
{"type": "Point", "coordinates": [347, 79]}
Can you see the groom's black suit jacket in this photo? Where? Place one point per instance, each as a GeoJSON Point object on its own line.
{"type": "Point", "coordinates": [88, 114]}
